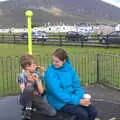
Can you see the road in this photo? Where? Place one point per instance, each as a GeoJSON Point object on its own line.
{"type": "Point", "coordinates": [10, 108]}
{"type": "Point", "coordinates": [102, 97]}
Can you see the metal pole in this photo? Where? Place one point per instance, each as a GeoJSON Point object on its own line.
{"type": "Point", "coordinates": [29, 15]}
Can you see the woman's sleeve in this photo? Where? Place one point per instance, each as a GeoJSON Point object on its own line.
{"type": "Point", "coordinates": [79, 91]}
{"type": "Point", "coordinates": [53, 85]}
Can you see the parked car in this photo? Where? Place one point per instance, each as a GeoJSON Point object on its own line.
{"type": "Point", "coordinates": [36, 36]}
{"type": "Point", "coordinates": [111, 38]}
{"type": "Point", "coordinates": [75, 36]}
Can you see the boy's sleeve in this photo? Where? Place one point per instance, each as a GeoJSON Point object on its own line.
{"type": "Point", "coordinates": [20, 79]}
{"type": "Point", "coordinates": [53, 85]}
{"type": "Point", "coordinates": [40, 76]}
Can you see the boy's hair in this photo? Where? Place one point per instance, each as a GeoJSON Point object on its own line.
{"type": "Point", "coordinates": [27, 60]}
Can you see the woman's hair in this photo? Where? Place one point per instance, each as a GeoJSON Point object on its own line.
{"type": "Point", "coordinates": [27, 60]}
{"type": "Point", "coordinates": [60, 53]}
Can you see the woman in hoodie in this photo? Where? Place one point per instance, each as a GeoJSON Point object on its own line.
{"type": "Point", "coordinates": [63, 88]}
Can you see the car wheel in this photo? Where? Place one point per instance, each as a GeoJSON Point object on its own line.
{"type": "Point", "coordinates": [70, 39]}
{"type": "Point", "coordinates": [103, 41]}
{"type": "Point", "coordinates": [25, 37]}
{"type": "Point", "coordinates": [39, 39]}
{"type": "Point", "coordinates": [44, 40]}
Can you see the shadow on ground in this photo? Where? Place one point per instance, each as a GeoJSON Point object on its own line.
{"type": "Point", "coordinates": [106, 101]}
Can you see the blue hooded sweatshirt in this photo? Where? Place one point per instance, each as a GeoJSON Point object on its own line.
{"type": "Point", "coordinates": [63, 86]}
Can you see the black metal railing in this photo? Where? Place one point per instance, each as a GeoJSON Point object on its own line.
{"type": "Point", "coordinates": [92, 68]}
{"type": "Point", "coordinates": [63, 40]}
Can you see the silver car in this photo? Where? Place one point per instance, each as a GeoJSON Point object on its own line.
{"type": "Point", "coordinates": [36, 36]}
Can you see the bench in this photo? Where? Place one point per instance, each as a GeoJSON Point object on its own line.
{"type": "Point", "coordinates": [59, 116]}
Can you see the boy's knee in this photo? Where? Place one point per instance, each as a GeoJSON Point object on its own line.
{"type": "Point", "coordinates": [52, 113]}
{"type": "Point", "coordinates": [29, 89]}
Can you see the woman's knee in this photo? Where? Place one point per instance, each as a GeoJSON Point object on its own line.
{"type": "Point", "coordinates": [83, 116]}
{"type": "Point", "coordinates": [93, 113]}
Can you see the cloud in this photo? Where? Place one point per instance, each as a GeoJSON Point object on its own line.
{"type": "Point", "coordinates": [3, 0]}
{"type": "Point", "coordinates": [113, 2]}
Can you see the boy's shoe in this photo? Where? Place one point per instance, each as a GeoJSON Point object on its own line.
{"type": "Point", "coordinates": [26, 114]}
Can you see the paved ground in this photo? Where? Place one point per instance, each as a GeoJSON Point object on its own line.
{"type": "Point", "coordinates": [106, 101]}
{"type": "Point", "coordinates": [9, 108]}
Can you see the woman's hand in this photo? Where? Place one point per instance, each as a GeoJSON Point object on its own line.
{"type": "Point", "coordinates": [40, 68]}
{"type": "Point", "coordinates": [85, 102]}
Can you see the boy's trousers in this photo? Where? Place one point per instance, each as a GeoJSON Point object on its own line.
{"type": "Point", "coordinates": [28, 99]}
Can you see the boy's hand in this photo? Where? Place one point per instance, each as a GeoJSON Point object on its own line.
{"type": "Point", "coordinates": [35, 77]}
{"type": "Point", "coordinates": [35, 93]}
{"type": "Point", "coordinates": [28, 84]}
{"type": "Point", "coordinates": [30, 78]}
{"type": "Point", "coordinates": [85, 102]}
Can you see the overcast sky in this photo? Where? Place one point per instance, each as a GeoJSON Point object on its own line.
{"type": "Point", "coordinates": [113, 2]}
{"type": "Point", "coordinates": [3, 0]}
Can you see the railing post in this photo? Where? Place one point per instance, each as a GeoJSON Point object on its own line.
{"type": "Point", "coordinates": [98, 68]}
{"type": "Point", "coordinates": [107, 42]}
{"type": "Point", "coordinates": [14, 38]}
{"type": "Point", "coordinates": [3, 38]}
{"type": "Point", "coordinates": [42, 40]}
{"type": "Point", "coordinates": [82, 38]}
{"type": "Point", "coordinates": [60, 40]}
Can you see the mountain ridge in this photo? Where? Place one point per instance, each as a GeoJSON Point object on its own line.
{"type": "Point", "coordinates": [12, 11]}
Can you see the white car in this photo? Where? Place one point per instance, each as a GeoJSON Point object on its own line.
{"type": "Point", "coordinates": [36, 36]}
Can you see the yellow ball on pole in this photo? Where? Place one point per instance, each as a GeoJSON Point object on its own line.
{"type": "Point", "coordinates": [29, 15]}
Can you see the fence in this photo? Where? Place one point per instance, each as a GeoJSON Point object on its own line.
{"type": "Point", "coordinates": [62, 40]}
{"type": "Point", "coordinates": [92, 68]}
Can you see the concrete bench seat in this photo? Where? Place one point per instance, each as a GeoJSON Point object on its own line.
{"type": "Point", "coordinates": [59, 116]}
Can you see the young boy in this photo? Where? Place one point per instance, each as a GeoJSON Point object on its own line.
{"type": "Point", "coordinates": [31, 87]}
